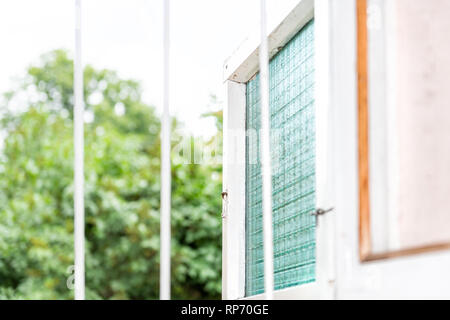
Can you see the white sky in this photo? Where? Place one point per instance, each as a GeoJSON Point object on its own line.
{"type": "Point", "coordinates": [126, 35]}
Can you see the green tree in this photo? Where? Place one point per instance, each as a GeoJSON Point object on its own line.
{"type": "Point", "coordinates": [122, 165]}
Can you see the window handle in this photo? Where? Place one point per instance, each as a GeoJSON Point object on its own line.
{"type": "Point", "coordinates": [224, 204]}
{"type": "Point", "coordinates": [320, 212]}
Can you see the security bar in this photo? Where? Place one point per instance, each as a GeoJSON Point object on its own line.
{"type": "Point", "coordinates": [265, 161]}
{"type": "Point", "coordinates": [79, 159]}
{"type": "Point", "coordinates": [165, 167]}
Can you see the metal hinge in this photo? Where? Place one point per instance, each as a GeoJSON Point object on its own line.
{"type": "Point", "coordinates": [320, 212]}
{"type": "Point", "coordinates": [224, 204]}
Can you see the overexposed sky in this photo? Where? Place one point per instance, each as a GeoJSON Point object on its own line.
{"type": "Point", "coordinates": [126, 35]}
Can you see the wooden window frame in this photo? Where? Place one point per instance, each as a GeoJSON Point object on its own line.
{"type": "Point", "coordinates": [238, 69]}
{"type": "Point", "coordinates": [365, 235]}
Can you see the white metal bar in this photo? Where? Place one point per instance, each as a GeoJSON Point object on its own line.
{"type": "Point", "coordinates": [165, 166]}
{"type": "Point", "coordinates": [265, 150]}
{"type": "Point", "coordinates": [79, 159]}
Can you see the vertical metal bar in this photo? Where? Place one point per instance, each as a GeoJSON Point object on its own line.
{"type": "Point", "coordinates": [79, 159]}
{"type": "Point", "coordinates": [165, 168]}
{"type": "Point", "coordinates": [265, 150]}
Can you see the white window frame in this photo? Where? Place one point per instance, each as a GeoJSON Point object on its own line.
{"type": "Point", "coordinates": [238, 70]}
{"type": "Point", "coordinates": [391, 278]}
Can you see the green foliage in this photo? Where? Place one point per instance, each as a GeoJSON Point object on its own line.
{"type": "Point", "coordinates": [122, 165]}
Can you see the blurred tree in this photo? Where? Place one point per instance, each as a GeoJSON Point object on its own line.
{"type": "Point", "coordinates": [122, 165]}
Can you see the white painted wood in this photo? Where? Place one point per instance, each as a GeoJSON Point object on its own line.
{"type": "Point", "coordinates": [382, 114]}
{"type": "Point", "coordinates": [79, 159]}
{"type": "Point", "coordinates": [419, 276]}
{"type": "Point", "coordinates": [324, 151]}
{"type": "Point", "coordinates": [404, 132]}
{"type": "Point", "coordinates": [343, 95]}
{"type": "Point", "coordinates": [233, 229]}
{"type": "Point", "coordinates": [243, 64]}
{"type": "Point", "coordinates": [378, 117]}
{"type": "Point", "coordinates": [391, 124]}
{"type": "Point", "coordinates": [308, 291]}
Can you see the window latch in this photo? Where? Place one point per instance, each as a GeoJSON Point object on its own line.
{"type": "Point", "coordinates": [224, 204]}
{"type": "Point", "coordinates": [320, 212]}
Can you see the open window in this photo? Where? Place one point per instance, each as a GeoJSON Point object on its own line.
{"type": "Point", "coordinates": [404, 127]}
{"type": "Point", "coordinates": [298, 70]}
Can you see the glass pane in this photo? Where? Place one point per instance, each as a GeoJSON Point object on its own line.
{"type": "Point", "coordinates": [293, 172]}
{"type": "Point", "coordinates": [409, 123]}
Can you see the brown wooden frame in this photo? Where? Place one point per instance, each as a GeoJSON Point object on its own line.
{"type": "Point", "coordinates": [365, 246]}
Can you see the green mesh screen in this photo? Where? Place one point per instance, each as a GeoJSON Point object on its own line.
{"type": "Point", "coordinates": [293, 172]}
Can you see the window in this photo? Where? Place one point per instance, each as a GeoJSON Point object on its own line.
{"type": "Point", "coordinates": [299, 47]}
{"type": "Point", "coordinates": [403, 124]}
{"type": "Point", "coordinates": [293, 160]}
